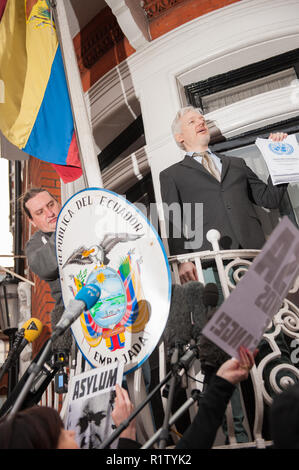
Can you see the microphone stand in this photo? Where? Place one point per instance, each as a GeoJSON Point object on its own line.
{"type": "Point", "coordinates": [46, 375]}
{"type": "Point", "coordinates": [127, 421]}
{"type": "Point", "coordinates": [173, 374]}
{"type": "Point", "coordinates": [196, 395]}
{"type": "Point", "coordinates": [86, 299]}
{"type": "Point", "coordinates": [10, 357]}
{"type": "Point", "coordinates": [165, 428]}
{"type": "Point", "coordinates": [35, 368]}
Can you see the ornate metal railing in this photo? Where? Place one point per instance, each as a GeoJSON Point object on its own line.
{"type": "Point", "coordinates": [266, 380]}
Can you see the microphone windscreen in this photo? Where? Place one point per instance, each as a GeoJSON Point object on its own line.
{"type": "Point", "coordinates": [210, 355]}
{"type": "Point", "coordinates": [210, 295]}
{"type": "Point", "coordinates": [32, 329]}
{"type": "Point", "coordinates": [178, 328]}
{"type": "Point", "coordinates": [194, 295]}
{"type": "Point", "coordinates": [89, 294]}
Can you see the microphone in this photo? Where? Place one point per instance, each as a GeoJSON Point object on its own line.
{"type": "Point", "coordinates": [85, 299]}
{"type": "Point", "coordinates": [30, 331]}
{"type": "Point", "coordinates": [210, 295]}
{"type": "Point", "coordinates": [199, 301]}
{"type": "Point", "coordinates": [178, 330]}
{"type": "Point", "coordinates": [210, 355]}
{"type": "Point", "coordinates": [187, 317]}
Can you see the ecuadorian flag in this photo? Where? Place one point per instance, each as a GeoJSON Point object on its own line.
{"type": "Point", "coordinates": [35, 110]}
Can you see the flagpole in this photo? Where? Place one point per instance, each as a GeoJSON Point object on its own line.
{"type": "Point", "coordinates": [88, 155]}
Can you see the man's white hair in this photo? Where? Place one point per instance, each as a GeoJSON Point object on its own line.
{"type": "Point", "coordinates": [176, 124]}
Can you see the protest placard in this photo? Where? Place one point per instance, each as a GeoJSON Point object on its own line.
{"type": "Point", "coordinates": [91, 398]}
{"type": "Point", "coordinates": [247, 312]}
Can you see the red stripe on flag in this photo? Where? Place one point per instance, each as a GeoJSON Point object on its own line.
{"type": "Point", "coordinates": [2, 7]}
{"type": "Point", "coordinates": [67, 173]}
{"type": "Point", "coordinates": [73, 158]}
{"type": "Point", "coordinates": [72, 170]}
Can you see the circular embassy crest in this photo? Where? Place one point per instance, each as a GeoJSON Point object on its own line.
{"type": "Point", "coordinates": [281, 148]}
{"type": "Point", "coordinates": [102, 238]}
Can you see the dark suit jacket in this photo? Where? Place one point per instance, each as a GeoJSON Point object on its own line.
{"type": "Point", "coordinates": [228, 206]}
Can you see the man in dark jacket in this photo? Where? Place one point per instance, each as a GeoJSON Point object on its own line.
{"type": "Point", "coordinates": [42, 209]}
{"type": "Point", "coordinates": [225, 186]}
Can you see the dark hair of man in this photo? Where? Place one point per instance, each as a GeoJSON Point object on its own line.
{"type": "Point", "coordinates": [31, 193]}
{"type": "Point", "coordinates": [37, 427]}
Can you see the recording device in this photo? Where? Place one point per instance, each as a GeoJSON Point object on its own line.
{"type": "Point", "coordinates": [190, 308]}
{"type": "Point", "coordinates": [55, 363]}
{"type": "Point", "coordinates": [85, 299]}
{"type": "Point", "coordinates": [61, 378]}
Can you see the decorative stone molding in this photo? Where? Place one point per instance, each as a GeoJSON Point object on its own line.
{"type": "Point", "coordinates": [112, 92]}
{"type": "Point", "coordinates": [155, 8]}
{"type": "Point", "coordinates": [120, 177]}
{"type": "Point", "coordinates": [254, 112]}
{"type": "Point", "coordinates": [24, 295]}
{"type": "Point", "coordinates": [132, 20]}
{"type": "Point", "coordinates": [123, 175]}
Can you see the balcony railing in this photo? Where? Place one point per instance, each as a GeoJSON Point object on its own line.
{"type": "Point", "coordinates": [266, 380]}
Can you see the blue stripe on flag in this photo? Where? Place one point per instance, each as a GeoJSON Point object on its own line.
{"type": "Point", "coordinates": [53, 129]}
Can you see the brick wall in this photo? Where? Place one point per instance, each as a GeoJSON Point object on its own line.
{"type": "Point", "coordinates": [100, 46]}
{"type": "Point", "coordinates": [182, 13]}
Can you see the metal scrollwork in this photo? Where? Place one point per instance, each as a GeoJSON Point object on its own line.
{"type": "Point", "coordinates": [235, 270]}
{"type": "Point", "coordinates": [277, 363]}
{"type": "Point", "coordinates": [283, 327]}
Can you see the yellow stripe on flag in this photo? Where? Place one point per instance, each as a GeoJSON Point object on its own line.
{"type": "Point", "coordinates": [27, 50]}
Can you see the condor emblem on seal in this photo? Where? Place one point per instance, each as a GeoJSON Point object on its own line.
{"type": "Point", "coordinates": [102, 238]}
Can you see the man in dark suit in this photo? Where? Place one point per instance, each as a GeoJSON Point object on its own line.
{"type": "Point", "coordinates": [225, 187]}
{"type": "Point", "coordinates": [217, 192]}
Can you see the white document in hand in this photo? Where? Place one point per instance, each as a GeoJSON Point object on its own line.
{"type": "Point", "coordinates": [282, 159]}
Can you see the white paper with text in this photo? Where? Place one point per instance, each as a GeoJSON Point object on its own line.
{"type": "Point", "coordinates": [91, 398]}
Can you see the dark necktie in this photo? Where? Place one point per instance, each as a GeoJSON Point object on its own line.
{"type": "Point", "coordinates": [208, 164]}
